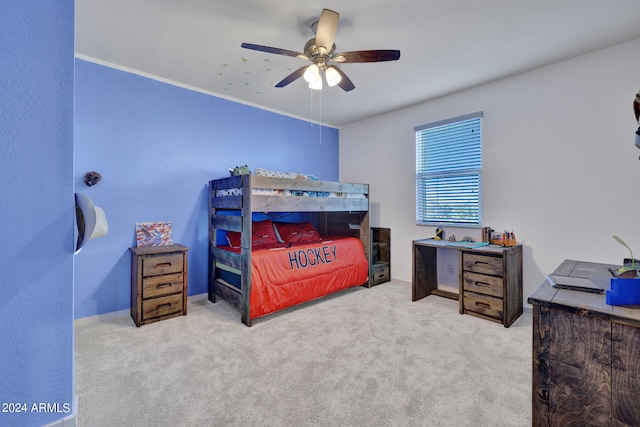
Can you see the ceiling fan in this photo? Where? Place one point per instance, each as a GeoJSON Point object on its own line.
{"type": "Point", "coordinates": [321, 51]}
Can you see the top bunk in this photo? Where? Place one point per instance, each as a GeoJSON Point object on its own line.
{"type": "Point", "coordinates": [257, 193]}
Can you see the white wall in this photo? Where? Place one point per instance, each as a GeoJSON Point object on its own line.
{"type": "Point", "coordinates": [559, 165]}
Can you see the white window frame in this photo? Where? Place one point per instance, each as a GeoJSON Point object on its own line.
{"type": "Point", "coordinates": [449, 172]}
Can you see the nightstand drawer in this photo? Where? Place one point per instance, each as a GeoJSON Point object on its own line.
{"type": "Point", "coordinates": [483, 304]}
{"type": "Point", "coordinates": [154, 265]}
{"type": "Point", "coordinates": [162, 306]}
{"type": "Point", "coordinates": [155, 286]}
{"type": "Point", "coordinates": [484, 264]}
{"type": "Point", "coordinates": [483, 284]}
{"type": "Point", "coordinates": [381, 273]}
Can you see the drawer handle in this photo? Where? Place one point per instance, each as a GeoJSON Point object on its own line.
{"type": "Point", "coordinates": [163, 264]}
{"type": "Point", "coordinates": [483, 304]}
{"type": "Point", "coordinates": [485, 284]}
{"type": "Point", "coordinates": [165, 305]}
{"type": "Point", "coordinates": [163, 285]}
{"type": "Point", "coordinates": [481, 263]}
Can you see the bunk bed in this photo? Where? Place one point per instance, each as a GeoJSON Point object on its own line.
{"type": "Point", "coordinates": [238, 263]}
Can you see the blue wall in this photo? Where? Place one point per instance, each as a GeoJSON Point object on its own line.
{"type": "Point", "coordinates": [156, 146]}
{"type": "Point", "coordinates": [36, 210]}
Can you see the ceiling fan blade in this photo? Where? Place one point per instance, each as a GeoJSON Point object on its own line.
{"type": "Point", "coordinates": [327, 30]}
{"type": "Point", "coordinates": [367, 56]}
{"type": "Point", "coordinates": [345, 83]}
{"type": "Point", "coordinates": [292, 77]}
{"type": "Point", "coordinates": [275, 50]}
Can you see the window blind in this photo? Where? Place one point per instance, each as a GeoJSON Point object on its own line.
{"type": "Point", "coordinates": [449, 172]}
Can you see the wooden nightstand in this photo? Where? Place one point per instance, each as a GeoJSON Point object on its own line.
{"type": "Point", "coordinates": [380, 255]}
{"type": "Point", "coordinates": [158, 283]}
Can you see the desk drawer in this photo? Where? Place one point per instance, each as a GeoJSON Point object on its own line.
{"type": "Point", "coordinates": [153, 265]}
{"type": "Point", "coordinates": [484, 264]}
{"type": "Point", "coordinates": [155, 286]}
{"type": "Point", "coordinates": [483, 284]}
{"type": "Point", "coordinates": [162, 306]}
{"type": "Point", "coordinates": [483, 304]}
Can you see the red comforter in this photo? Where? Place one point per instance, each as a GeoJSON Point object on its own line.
{"type": "Point", "coordinates": [286, 276]}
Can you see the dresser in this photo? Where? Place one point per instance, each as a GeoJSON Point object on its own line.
{"type": "Point", "coordinates": [158, 283]}
{"type": "Point", "coordinates": [586, 354]}
{"type": "Point", "coordinates": [489, 279]}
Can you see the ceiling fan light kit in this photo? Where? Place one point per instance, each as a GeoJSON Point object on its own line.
{"type": "Point", "coordinates": [313, 77]}
{"type": "Point", "coordinates": [321, 52]}
{"type": "Point", "coordinates": [332, 76]}
{"type": "Point", "coordinates": [312, 73]}
{"type": "Point", "coordinates": [317, 85]}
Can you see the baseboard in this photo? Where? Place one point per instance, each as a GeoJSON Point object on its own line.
{"type": "Point", "coordinates": [127, 312]}
{"type": "Point", "coordinates": [69, 421]}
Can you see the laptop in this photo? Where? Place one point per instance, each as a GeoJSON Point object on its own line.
{"type": "Point", "coordinates": [573, 283]}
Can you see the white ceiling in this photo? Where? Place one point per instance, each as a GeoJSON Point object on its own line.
{"type": "Point", "coordinates": [446, 45]}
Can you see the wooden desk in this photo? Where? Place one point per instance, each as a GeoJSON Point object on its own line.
{"type": "Point", "coordinates": [489, 283]}
{"type": "Point", "coordinates": [586, 354]}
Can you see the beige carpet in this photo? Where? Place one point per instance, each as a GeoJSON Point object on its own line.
{"type": "Point", "coordinates": [361, 357]}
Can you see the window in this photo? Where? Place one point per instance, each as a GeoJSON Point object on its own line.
{"type": "Point", "coordinates": [448, 172]}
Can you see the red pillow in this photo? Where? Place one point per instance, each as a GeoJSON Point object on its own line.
{"type": "Point", "coordinates": [263, 234]}
{"type": "Point", "coordinates": [303, 232]}
{"type": "Point", "coordinates": [233, 237]}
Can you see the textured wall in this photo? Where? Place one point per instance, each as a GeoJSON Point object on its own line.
{"type": "Point", "coordinates": [36, 211]}
{"type": "Point", "coordinates": [157, 146]}
{"type": "Point", "coordinates": [559, 164]}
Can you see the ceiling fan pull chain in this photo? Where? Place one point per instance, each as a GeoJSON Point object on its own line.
{"type": "Point", "coordinates": [311, 107]}
{"type": "Point", "coordinates": [320, 114]}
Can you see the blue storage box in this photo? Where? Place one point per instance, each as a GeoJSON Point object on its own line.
{"type": "Point", "coordinates": [624, 292]}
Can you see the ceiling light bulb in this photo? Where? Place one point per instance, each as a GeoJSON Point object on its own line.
{"type": "Point", "coordinates": [317, 85]}
{"type": "Point", "coordinates": [332, 76]}
{"type": "Point", "coordinates": [312, 73]}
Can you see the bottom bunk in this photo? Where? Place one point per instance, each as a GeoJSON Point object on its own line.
{"type": "Point", "coordinates": [280, 274]}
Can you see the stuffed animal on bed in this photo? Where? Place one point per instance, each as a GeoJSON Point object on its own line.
{"type": "Point", "coordinates": [240, 170]}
